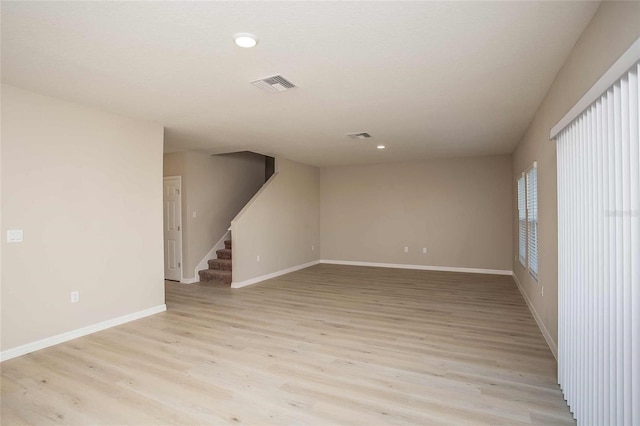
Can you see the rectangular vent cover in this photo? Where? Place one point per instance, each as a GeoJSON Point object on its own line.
{"type": "Point", "coordinates": [363, 135]}
{"type": "Point", "coordinates": [274, 84]}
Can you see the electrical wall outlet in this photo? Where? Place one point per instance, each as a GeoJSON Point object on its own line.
{"type": "Point", "coordinates": [75, 296]}
{"type": "Point", "coordinates": [258, 258]}
{"type": "Point", "coordinates": [541, 291]}
{"type": "Point", "coordinates": [14, 236]}
{"type": "Point", "coordinates": [313, 248]}
{"type": "Point", "coordinates": [406, 249]}
{"type": "Point", "coordinates": [424, 250]}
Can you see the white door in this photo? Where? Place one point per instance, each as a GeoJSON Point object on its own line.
{"type": "Point", "coordinates": [172, 228]}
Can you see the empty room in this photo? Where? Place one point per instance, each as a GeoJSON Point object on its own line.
{"type": "Point", "coordinates": [320, 213]}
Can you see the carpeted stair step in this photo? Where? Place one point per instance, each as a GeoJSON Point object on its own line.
{"type": "Point", "coordinates": [219, 272]}
{"type": "Point", "coordinates": [215, 276]}
{"type": "Point", "coordinates": [224, 253]}
{"type": "Point", "coordinates": [220, 264]}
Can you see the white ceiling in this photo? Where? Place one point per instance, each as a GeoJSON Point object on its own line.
{"type": "Point", "coordinates": [426, 79]}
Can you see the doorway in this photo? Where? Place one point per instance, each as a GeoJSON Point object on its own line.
{"type": "Point", "coordinates": [172, 203]}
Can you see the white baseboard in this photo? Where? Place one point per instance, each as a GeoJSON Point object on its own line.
{"type": "Point", "coordinates": [74, 334]}
{"type": "Point", "coordinates": [189, 280]}
{"type": "Point", "coordinates": [545, 333]}
{"type": "Point", "coordinates": [419, 267]}
{"type": "Point", "coordinates": [272, 275]}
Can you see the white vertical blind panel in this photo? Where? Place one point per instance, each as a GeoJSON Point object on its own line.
{"type": "Point", "coordinates": [599, 258]}
{"type": "Point", "coordinates": [634, 201]}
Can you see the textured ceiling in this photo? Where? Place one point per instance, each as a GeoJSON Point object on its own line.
{"type": "Point", "coordinates": [426, 79]}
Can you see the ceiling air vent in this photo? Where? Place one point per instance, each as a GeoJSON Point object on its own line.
{"type": "Point", "coordinates": [363, 135]}
{"type": "Point", "coordinates": [274, 84]}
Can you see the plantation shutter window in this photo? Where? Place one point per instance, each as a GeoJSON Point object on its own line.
{"type": "Point", "coordinates": [522, 222]}
{"type": "Point", "coordinates": [532, 220]}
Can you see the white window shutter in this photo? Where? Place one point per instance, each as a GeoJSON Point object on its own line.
{"type": "Point", "coordinates": [522, 222]}
{"type": "Point", "coordinates": [532, 220]}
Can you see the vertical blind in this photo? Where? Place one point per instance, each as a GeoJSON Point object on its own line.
{"type": "Point", "coordinates": [599, 258]}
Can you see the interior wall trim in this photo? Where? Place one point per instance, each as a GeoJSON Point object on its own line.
{"type": "Point", "coordinates": [419, 267]}
{"type": "Point", "coordinates": [240, 284]}
{"type": "Point", "coordinates": [545, 333]}
{"type": "Point", "coordinates": [74, 334]}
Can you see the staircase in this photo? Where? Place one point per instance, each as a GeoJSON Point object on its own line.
{"type": "Point", "coordinates": [219, 272]}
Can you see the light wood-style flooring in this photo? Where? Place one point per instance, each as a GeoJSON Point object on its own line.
{"type": "Point", "coordinates": [326, 345]}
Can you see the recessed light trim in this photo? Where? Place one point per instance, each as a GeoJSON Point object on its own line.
{"type": "Point", "coordinates": [246, 40]}
{"type": "Point", "coordinates": [381, 147]}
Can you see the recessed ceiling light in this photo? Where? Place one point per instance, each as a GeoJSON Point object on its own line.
{"type": "Point", "coordinates": [245, 39]}
{"type": "Point", "coordinates": [381, 147]}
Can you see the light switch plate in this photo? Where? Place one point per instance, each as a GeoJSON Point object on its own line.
{"type": "Point", "coordinates": [14, 236]}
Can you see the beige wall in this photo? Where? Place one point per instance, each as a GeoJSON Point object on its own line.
{"type": "Point", "coordinates": [614, 27]}
{"type": "Point", "coordinates": [280, 224]}
{"type": "Point", "coordinates": [459, 209]}
{"type": "Point", "coordinates": [86, 188]}
{"type": "Point", "coordinates": [216, 188]}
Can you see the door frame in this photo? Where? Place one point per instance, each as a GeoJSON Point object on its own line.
{"type": "Point", "coordinates": [181, 263]}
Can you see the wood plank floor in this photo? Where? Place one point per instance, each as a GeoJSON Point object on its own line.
{"type": "Point", "coordinates": [326, 345]}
